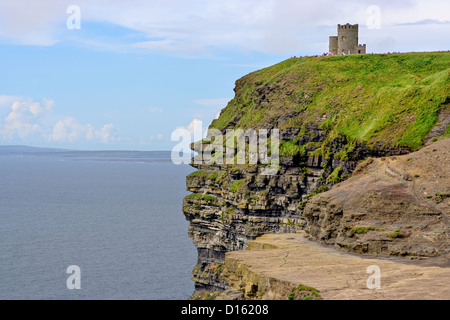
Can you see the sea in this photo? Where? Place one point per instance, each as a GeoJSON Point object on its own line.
{"type": "Point", "coordinates": [94, 226]}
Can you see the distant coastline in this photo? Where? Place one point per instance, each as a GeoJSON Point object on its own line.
{"type": "Point", "coordinates": [106, 155]}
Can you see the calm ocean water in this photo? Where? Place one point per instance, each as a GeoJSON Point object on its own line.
{"type": "Point", "coordinates": [119, 221]}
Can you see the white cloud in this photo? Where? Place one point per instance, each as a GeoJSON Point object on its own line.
{"type": "Point", "coordinates": [66, 130]}
{"type": "Point", "coordinates": [70, 130]}
{"type": "Point", "coordinates": [28, 119]}
{"type": "Point", "coordinates": [105, 133]}
{"type": "Point", "coordinates": [22, 119]}
{"type": "Point", "coordinates": [199, 27]}
{"type": "Point", "coordinates": [6, 101]}
{"type": "Point", "coordinates": [195, 129]}
{"type": "Point", "coordinates": [31, 22]}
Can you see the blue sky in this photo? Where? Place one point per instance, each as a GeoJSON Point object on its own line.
{"type": "Point", "coordinates": [137, 70]}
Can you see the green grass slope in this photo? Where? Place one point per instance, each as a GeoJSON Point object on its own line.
{"type": "Point", "coordinates": [383, 100]}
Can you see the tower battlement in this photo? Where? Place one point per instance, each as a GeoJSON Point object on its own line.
{"type": "Point", "coordinates": [346, 42]}
{"type": "Point", "coordinates": [347, 26]}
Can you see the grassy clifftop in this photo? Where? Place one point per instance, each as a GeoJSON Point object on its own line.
{"type": "Point", "coordinates": [384, 100]}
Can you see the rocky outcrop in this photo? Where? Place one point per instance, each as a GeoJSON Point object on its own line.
{"type": "Point", "coordinates": [397, 206]}
{"type": "Point", "coordinates": [330, 119]}
{"type": "Point", "coordinates": [232, 205]}
{"type": "Point", "coordinates": [394, 206]}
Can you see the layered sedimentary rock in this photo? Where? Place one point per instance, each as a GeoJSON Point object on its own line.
{"type": "Point", "coordinates": [396, 206]}
{"type": "Point", "coordinates": [231, 205]}
{"type": "Point", "coordinates": [332, 113]}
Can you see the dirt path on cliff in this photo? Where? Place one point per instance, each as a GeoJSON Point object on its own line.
{"type": "Point", "coordinates": [278, 262]}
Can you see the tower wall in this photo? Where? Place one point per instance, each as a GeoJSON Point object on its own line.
{"type": "Point", "coordinates": [347, 38]}
{"type": "Point", "coordinates": [333, 47]}
{"type": "Point", "coordinates": [361, 49]}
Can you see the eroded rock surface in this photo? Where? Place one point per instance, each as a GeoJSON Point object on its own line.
{"type": "Point", "coordinates": [398, 206]}
{"type": "Point", "coordinates": [277, 263]}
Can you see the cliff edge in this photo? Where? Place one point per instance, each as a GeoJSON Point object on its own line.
{"type": "Point", "coordinates": [290, 267]}
{"type": "Point", "coordinates": [333, 113]}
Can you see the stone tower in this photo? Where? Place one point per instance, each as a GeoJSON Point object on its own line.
{"type": "Point", "coordinates": [346, 42]}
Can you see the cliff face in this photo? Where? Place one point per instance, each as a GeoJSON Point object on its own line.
{"type": "Point", "coordinates": [396, 206]}
{"type": "Point", "coordinates": [332, 112]}
{"type": "Point", "coordinates": [232, 205]}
